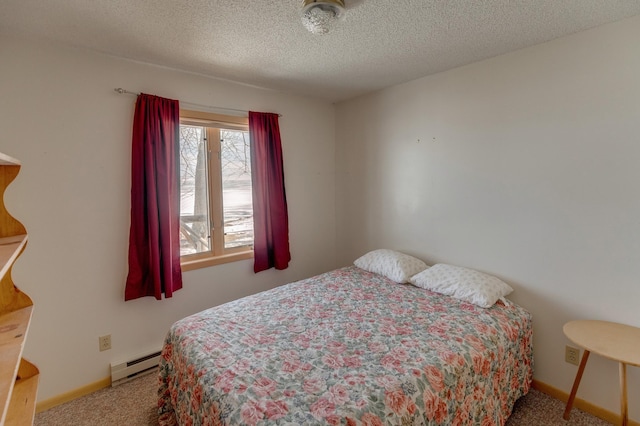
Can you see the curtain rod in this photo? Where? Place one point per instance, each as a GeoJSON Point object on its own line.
{"type": "Point", "coordinates": [122, 91]}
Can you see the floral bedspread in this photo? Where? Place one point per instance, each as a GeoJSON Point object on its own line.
{"type": "Point", "coordinates": [346, 347]}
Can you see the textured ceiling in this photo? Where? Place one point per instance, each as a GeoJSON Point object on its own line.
{"type": "Point", "coordinates": [262, 42]}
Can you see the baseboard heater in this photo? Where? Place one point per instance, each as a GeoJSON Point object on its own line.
{"type": "Point", "coordinates": [129, 370]}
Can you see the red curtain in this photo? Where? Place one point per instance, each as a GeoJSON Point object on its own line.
{"type": "Point", "coordinates": [270, 217]}
{"type": "Point", "coordinates": [154, 239]}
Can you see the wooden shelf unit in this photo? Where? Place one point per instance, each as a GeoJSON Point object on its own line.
{"type": "Point", "coordinates": [18, 377]}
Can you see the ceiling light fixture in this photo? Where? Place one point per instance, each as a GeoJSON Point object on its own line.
{"type": "Point", "coordinates": [321, 16]}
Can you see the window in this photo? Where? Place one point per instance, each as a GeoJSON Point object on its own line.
{"type": "Point", "coordinates": [216, 213]}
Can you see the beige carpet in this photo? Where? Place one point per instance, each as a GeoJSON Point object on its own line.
{"type": "Point", "coordinates": [134, 404]}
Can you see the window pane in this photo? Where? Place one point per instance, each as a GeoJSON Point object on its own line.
{"type": "Point", "coordinates": [194, 196]}
{"type": "Point", "coordinates": [235, 162]}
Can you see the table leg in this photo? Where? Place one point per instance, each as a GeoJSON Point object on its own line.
{"type": "Point", "coordinates": [623, 394]}
{"type": "Point", "coordinates": [576, 383]}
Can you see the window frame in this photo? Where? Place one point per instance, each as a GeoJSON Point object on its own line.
{"type": "Point", "coordinates": [212, 124]}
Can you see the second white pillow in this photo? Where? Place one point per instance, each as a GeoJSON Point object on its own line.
{"type": "Point", "coordinates": [462, 283]}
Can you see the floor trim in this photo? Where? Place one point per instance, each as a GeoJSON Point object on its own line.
{"type": "Point", "coordinates": [71, 395]}
{"type": "Point", "coordinates": [581, 404]}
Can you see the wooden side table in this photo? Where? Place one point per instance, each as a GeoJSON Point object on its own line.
{"type": "Point", "coordinates": [611, 340]}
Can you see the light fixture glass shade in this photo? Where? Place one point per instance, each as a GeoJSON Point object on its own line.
{"type": "Point", "coordinates": [320, 17]}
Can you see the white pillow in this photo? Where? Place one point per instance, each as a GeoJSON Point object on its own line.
{"type": "Point", "coordinates": [394, 265]}
{"type": "Point", "coordinates": [462, 283]}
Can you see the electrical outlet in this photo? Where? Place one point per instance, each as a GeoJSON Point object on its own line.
{"type": "Point", "coordinates": [572, 355]}
{"type": "Point", "coordinates": [104, 342]}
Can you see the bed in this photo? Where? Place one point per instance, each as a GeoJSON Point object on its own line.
{"type": "Point", "coordinates": [346, 347]}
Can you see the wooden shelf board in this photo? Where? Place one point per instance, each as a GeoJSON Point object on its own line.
{"type": "Point", "coordinates": [13, 331]}
{"type": "Point", "coordinates": [23, 399]}
{"type": "Point", "coordinates": [14, 326]}
{"type": "Point", "coordinates": [6, 160]}
{"type": "Point", "coordinates": [10, 248]}
{"type": "Point", "coordinates": [9, 358]}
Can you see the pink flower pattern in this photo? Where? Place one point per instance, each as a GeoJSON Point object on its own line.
{"type": "Point", "coordinates": [346, 347]}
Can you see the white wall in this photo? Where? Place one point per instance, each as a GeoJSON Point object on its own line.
{"type": "Point", "coordinates": [526, 166]}
{"type": "Point", "coordinates": [60, 116]}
